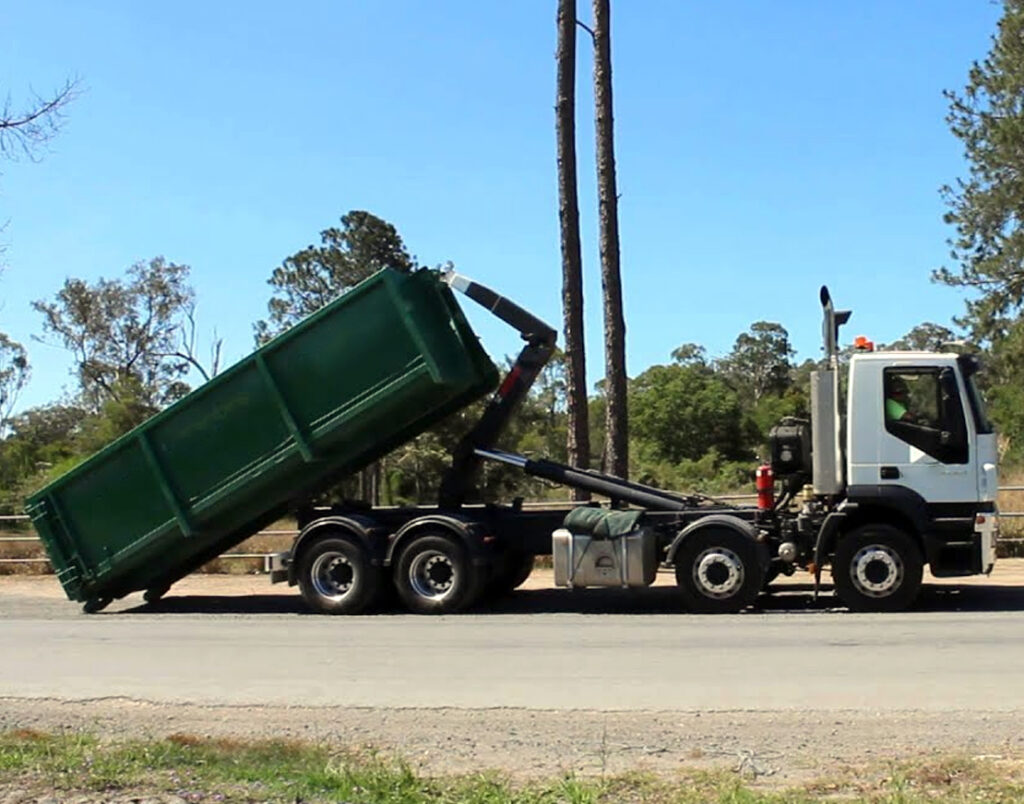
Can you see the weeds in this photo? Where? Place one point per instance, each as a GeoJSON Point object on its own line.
{"type": "Point", "coordinates": [198, 768]}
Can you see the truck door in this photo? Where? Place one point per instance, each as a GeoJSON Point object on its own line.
{"type": "Point", "coordinates": [926, 442]}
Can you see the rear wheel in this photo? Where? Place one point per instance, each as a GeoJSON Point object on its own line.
{"type": "Point", "coordinates": [433, 575]}
{"type": "Point", "coordinates": [877, 568]}
{"type": "Point", "coordinates": [336, 576]}
{"type": "Point", "coordinates": [718, 571]}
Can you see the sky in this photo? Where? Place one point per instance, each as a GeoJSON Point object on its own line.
{"type": "Point", "coordinates": [763, 149]}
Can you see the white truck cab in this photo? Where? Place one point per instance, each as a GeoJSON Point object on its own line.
{"type": "Point", "coordinates": [902, 474]}
{"type": "Point", "coordinates": [918, 439]}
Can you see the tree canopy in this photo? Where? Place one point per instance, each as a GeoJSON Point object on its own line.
{"type": "Point", "coordinates": [984, 208]}
{"type": "Point", "coordinates": [132, 339]}
{"type": "Point", "coordinates": [14, 373]}
{"type": "Point", "coordinates": [316, 275]}
{"type": "Point", "coordinates": [759, 362]}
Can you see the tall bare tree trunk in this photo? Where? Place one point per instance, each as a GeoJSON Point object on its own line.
{"type": "Point", "coordinates": [578, 437]}
{"type": "Point", "coordinates": [617, 422]}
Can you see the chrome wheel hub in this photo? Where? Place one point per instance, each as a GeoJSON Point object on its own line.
{"type": "Point", "coordinates": [718, 573]}
{"type": "Point", "coordinates": [333, 575]}
{"type": "Point", "coordinates": [432, 575]}
{"type": "Point", "coordinates": [877, 570]}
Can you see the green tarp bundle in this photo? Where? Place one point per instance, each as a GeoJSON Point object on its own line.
{"type": "Point", "coordinates": [601, 523]}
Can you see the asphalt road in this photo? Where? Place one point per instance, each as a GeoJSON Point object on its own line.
{"type": "Point", "coordinates": [962, 649]}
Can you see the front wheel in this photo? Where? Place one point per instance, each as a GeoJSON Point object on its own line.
{"type": "Point", "coordinates": [433, 575]}
{"type": "Point", "coordinates": [877, 568]}
{"type": "Point", "coordinates": [719, 571]}
{"type": "Point", "coordinates": [336, 576]}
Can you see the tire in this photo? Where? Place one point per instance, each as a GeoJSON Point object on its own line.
{"type": "Point", "coordinates": [510, 572]}
{"type": "Point", "coordinates": [336, 576]}
{"type": "Point", "coordinates": [877, 568]}
{"type": "Point", "coordinates": [433, 575]}
{"type": "Point", "coordinates": [719, 571]}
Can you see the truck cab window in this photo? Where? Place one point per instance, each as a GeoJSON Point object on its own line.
{"type": "Point", "coordinates": [922, 407]}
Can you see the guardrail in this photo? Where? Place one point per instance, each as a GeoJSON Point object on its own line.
{"type": "Point", "coordinates": [266, 556]}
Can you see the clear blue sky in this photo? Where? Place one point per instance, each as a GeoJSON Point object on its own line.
{"type": "Point", "coordinates": [764, 148]}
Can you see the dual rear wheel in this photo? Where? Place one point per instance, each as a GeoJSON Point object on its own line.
{"type": "Point", "coordinates": [432, 574]}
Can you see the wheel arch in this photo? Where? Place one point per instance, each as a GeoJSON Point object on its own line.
{"type": "Point", "coordinates": [363, 529]}
{"type": "Point", "coordinates": [907, 513]}
{"type": "Point", "coordinates": [741, 526]}
{"type": "Point", "coordinates": [464, 529]}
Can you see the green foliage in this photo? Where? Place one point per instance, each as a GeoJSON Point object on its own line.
{"type": "Point", "coordinates": [984, 209]}
{"type": "Point", "coordinates": [316, 275]}
{"type": "Point", "coordinates": [14, 373]}
{"type": "Point", "coordinates": [70, 766]}
{"type": "Point", "coordinates": [926, 337]}
{"type": "Point", "coordinates": [690, 354]}
{"type": "Point", "coordinates": [414, 471]}
{"type": "Point", "coordinates": [40, 442]}
{"type": "Point", "coordinates": [769, 411]}
{"type": "Point", "coordinates": [680, 412]}
{"type": "Point", "coordinates": [759, 363]}
{"type": "Point", "coordinates": [131, 338]}
{"type": "Point", "coordinates": [988, 118]}
{"type": "Point", "coordinates": [709, 474]}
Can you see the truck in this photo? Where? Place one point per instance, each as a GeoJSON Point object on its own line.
{"type": "Point", "coordinates": [895, 469]}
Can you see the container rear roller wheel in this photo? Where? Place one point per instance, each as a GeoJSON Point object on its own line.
{"type": "Point", "coordinates": [95, 604]}
{"type": "Point", "coordinates": [155, 594]}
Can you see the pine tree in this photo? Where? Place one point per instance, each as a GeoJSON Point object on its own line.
{"type": "Point", "coordinates": [578, 434]}
{"type": "Point", "coordinates": [987, 208]}
{"type": "Point", "coordinates": [987, 211]}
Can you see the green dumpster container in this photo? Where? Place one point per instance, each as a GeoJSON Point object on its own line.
{"type": "Point", "coordinates": [350, 383]}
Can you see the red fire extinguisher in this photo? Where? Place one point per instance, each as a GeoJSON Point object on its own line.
{"type": "Point", "coordinates": [764, 481]}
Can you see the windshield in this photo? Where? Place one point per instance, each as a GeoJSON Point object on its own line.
{"type": "Point", "coordinates": [969, 365]}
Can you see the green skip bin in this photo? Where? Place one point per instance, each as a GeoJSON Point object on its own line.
{"type": "Point", "coordinates": [350, 383]}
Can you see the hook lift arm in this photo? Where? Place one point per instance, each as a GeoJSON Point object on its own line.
{"type": "Point", "coordinates": [540, 344]}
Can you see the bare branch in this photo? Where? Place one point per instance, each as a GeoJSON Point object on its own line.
{"type": "Point", "coordinates": [25, 131]}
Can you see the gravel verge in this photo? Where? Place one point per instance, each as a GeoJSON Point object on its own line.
{"type": "Point", "coordinates": [780, 748]}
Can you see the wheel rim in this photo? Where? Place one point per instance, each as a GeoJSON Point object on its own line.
{"type": "Point", "coordinates": [877, 570]}
{"type": "Point", "coordinates": [432, 575]}
{"type": "Point", "coordinates": [333, 575]}
{"type": "Point", "coordinates": [718, 573]}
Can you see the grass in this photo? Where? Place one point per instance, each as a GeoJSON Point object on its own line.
{"type": "Point", "coordinates": [211, 770]}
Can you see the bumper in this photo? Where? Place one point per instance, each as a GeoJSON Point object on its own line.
{"type": "Point", "coordinates": [279, 567]}
{"type": "Point", "coordinates": [986, 531]}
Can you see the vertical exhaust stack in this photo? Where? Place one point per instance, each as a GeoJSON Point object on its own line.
{"type": "Point", "coordinates": [826, 445]}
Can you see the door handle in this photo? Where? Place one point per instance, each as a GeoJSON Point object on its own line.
{"type": "Point", "coordinates": [890, 473]}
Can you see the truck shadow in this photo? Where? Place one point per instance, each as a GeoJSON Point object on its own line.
{"type": "Point", "coordinates": [788, 598]}
{"type": "Point", "coordinates": [791, 598]}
